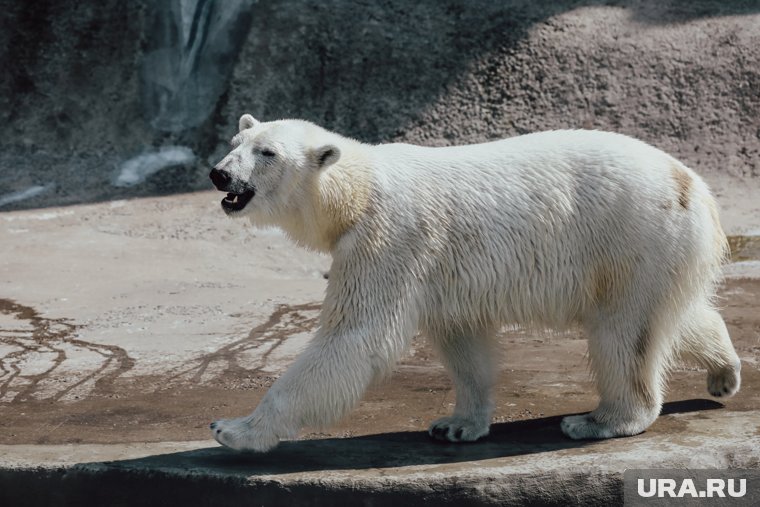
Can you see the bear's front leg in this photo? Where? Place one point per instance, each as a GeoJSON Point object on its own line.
{"type": "Point", "coordinates": [367, 321]}
{"type": "Point", "coordinates": [324, 383]}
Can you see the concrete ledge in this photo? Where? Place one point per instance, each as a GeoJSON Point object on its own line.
{"type": "Point", "coordinates": [526, 462]}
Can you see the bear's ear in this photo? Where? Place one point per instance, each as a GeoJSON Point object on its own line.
{"type": "Point", "coordinates": [246, 121]}
{"type": "Point", "coordinates": [326, 155]}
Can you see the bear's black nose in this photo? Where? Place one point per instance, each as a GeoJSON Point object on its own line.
{"type": "Point", "coordinates": [220, 179]}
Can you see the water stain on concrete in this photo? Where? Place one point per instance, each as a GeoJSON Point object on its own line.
{"type": "Point", "coordinates": [264, 340]}
{"type": "Point", "coordinates": [27, 335]}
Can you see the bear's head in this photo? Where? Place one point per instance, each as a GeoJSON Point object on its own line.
{"type": "Point", "coordinates": [272, 167]}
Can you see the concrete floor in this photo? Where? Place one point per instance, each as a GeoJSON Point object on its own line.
{"type": "Point", "coordinates": [127, 326]}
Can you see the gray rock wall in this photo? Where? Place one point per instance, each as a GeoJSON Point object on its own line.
{"type": "Point", "coordinates": [70, 75]}
{"type": "Point", "coordinates": [683, 76]}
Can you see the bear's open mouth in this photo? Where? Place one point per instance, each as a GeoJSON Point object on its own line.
{"type": "Point", "coordinates": [236, 202]}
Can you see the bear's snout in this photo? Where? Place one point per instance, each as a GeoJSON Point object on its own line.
{"type": "Point", "coordinates": [221, 179]}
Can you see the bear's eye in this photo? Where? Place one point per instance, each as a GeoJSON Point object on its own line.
{"type": "Point", "coordinates": [267, 153]}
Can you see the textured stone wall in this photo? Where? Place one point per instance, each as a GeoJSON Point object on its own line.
{"type": "Point", "coordinates": [684, 76]}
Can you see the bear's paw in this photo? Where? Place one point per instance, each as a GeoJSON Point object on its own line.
{"type": "Point", "coordinates": [458, 429]}
{"type": "Point", "coordinates": [240, 435]}
{"type": "Point", "coordinates": [724, 382]}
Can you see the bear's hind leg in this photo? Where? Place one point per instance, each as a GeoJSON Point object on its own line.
{"type": "Point", "coordinates": [470, 361]}
{"type": "Point", "coordinates": [628, 360]}
{"type": "Point", "coordinates": [704, 339]}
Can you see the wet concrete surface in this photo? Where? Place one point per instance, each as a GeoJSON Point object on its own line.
{"type": "Point", "coordinates": [542, 376]}
{"type": "Point", "coordinates": [133, 324]}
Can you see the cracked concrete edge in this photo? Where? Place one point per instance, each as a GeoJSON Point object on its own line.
{"type": "Point", "coordinates": [104, 485]}
{"type": "Point", "coordinates": [61, 488]}
{"type": "Point", "coordinates": [199, 474]}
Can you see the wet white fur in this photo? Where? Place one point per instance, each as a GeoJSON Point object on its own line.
{"type": "Point", "coordinates": [544, 230]}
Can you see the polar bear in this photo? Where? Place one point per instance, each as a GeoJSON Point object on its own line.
{"type": "Point", "coordinates": [550, 229]}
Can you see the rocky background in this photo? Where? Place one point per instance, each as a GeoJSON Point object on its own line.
{"type": "Point", "coordinates": [109, 99]}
